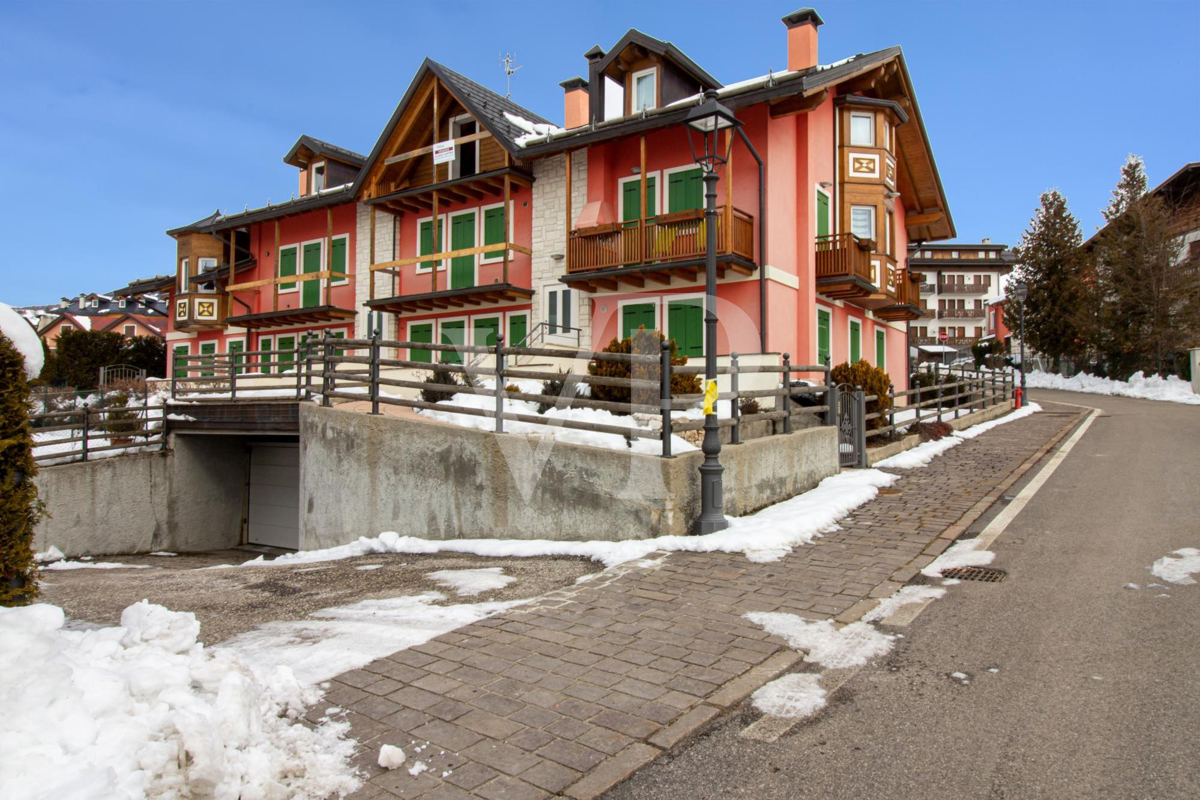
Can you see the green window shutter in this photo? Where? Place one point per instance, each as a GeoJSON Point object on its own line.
{"type": "Point", "coordinates": [421, 333]}
{"type": "Point", "coordinates": [235, 356]}
{"type": "Point", "coordinates": [207, 349]}
{"type": "Point", "coordinates": [855, 342]}
{"type": "Point", "coordinates": [685, 319]}
{"type": "Point", "coordinates": [685, 190]}
{"type": "Point", "coordinates": [631, 207]}
{"type": "Point", "coordinates": [339, 258]}
{"type": "Point", "coordinates": [822, 214]}
{"type": "Point", "coordinates": [287, 359]}
{"type": "Point", "coordinates": [462, 236]}
{"type": "Point", "coordinates": [181, 364]}
{"type": "Point", "coordinates": [880, 349]}
{"type": "Point", "coordinates": [493, 230]}
{"type": "Point", "coordinates": [823, 326]}
{"type": "Point", "coordinates": [518, 329]}
{"type": "Point", "coordinates": [454, 333]}
{"type": "Point", "coordinates": [287, 266]}
{"type": "Point", "coordinates": [486, 329]}
{"type": "Point", "coordinates": [310, 291]}
{"type": "Point", "coordinates": [634, 316]}
{"type": "Point", "coordinates": [265, 343]}
{"type": "Point", "coordinates": [426, 241]}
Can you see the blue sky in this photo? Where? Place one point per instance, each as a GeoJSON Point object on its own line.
{"type": "Point", "coordinates": [122, 119]}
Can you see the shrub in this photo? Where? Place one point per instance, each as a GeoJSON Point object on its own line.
{"type": "Point", "coordinates": [748, 407]}
{"type": "Point", "coordinates": [81, 354]}
{"type": "Point", "coordinates": [20, 508]}
{"type": "Point", "coordinates": [148, 353]}
{"type": "Point", "coordinates": [512, 387]}
{"type": "Point", "coordinates": [443, 376]}
{"type": "Point", "coordinates": [873, 380]}
{"type": "Point", "coordinates": [554, 388]}
{"type": "Point", "coordinates": [932, 431]}
{"type": "Point", "coordinates": [121, 421]}
{"type": "Point", "coordinates": [644, 342]}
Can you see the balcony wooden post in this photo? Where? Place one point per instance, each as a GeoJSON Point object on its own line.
{"type": "Point", "coordinates": [642, 250]}
{"type": "Point", "coordinates": [729, 193]}
{"type": "Point", "coordinates": [275, 286]}
{"type": "Point", "coordinates": [433, 225]}
{"type": "Point", "coordinates": [371, 259]}
{"type": "Point", "coordinates": [505, 221]}
{"type": "Point", "coordinates": [329, 255]}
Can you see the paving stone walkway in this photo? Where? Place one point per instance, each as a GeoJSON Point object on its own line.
{"type": "Point", "coordinates": [571, 694]}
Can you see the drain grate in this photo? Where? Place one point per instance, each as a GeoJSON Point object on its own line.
{"type": "Point", "coordinates": [985, 574]}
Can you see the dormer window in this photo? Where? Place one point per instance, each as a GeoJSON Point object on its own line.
{"type": "Point", "coordinates": [94, 304]}
{"type": "Point", "coordinates": [121, 303]}
{"type": "Point", "coordinates": [318, 177]}
{"type": "Point", "coordinates": [862, 129]}
{"type": "Point", "coordinates": [645, 90]}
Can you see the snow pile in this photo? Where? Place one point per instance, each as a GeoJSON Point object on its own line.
{"type": "Point", "coordinates": [335, 640]}
{"type": "Point", "coordinates": [963, 554]}
{"type": "Point", "coordinates": [793, 696]}
{"type": "Point", "coordinates": [765, 536]}
{"type": "Point", "coordinates": [63, 565]}
{"type": "Point", "coordinates": [52, 554]}
{"type": "Point", "coordinates": [608, 441]}
{"type": "Point", "coordinates": [904, 596]}
{"type": "Point", "coordinates": [533, 130]}
{"type": "Point", "coordinates": [391, 757]}
{"type": "Point", "coordinates": [144, 710]}
{"type": "Point", "coordinates": [922, 454]}
{"type": "Point", "coordinates": [470, 582]}
{"type": "Point", "coordinates": [825, 644]}
{"type": "Point", "coordinates": [24, 338]}
{"type": "Point", "coordinates": [1180, 568]}
{"type": "Point", "coordinates": [1170, 389]}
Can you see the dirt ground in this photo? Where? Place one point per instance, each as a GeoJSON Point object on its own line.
{"type": "Point", "coordinates": [230, 601]}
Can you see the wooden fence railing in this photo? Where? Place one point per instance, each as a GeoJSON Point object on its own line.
{"type": "Point", "coordinates": [951, 391]}
{"type": "Point", "coordinates": [97, 424]}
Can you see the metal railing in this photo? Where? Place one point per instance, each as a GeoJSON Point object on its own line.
{"type": "Point", "coordinates": [95, 424]}
{"type": "Point", "coordinates": [951, 391]}
{"type": "Point", "coordinates": [963, 287]}
{"type": "Point", "coordinates": [960, 313]}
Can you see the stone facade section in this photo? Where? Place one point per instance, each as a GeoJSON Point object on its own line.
{"type": "Point", "coordinates": [549, 235]}
{"type": "Point", "coordinates": [386, 243]}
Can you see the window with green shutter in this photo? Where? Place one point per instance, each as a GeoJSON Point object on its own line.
{"type": "Point", "coordinates": [236, 359]}
{"type": "Point", "coordinates": [631, 199]}
{"type": "Point", "coordinates": [421, 333]}
{"type": "Point", "coordinates": [855, 341]}
{"type": "Point", "coordinates": [287, 266]}
{"type": "Point", "coordinates": [636, 315]}
{"type": "Point", "coordinates": [824, 324]}
{"type": "Point", "coordinates": [484, 331]}
{"type": "Point", "coordinates": [880, 349]}
{"type": "Point", "coordinates": [286, 358]}
{"type": "Point", "coordinates": [426, 243]}
{"type": "Point", "coordinates": [310, 291]}
{"type": "Point", "coordinates": [181, 363]}
{"type": "Point", "coordinates": [338, 264]}
{"type": "Point", "coordinates": [685, 190]}
{"type": "Point", "coordinates": [454, 333]}
{"type": "Point", "coordinates": [493, 231]}
{"type": "Point", "coordinates": [518, 329]}
{"type": "Point", "coordinates": [207, 349]}
{"type": "Point", "coordinates": [685, 325]}
{"type": "Point", "coordinates": [265, 344]}
{"type": "Point", "coordinates": [822, 213]}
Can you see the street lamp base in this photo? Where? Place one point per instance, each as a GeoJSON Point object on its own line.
{"type": "Point", "coordinates": [707, 526]}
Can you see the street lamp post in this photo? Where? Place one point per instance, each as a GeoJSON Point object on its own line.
{"type": "Point", "coordinates": [1020, 291]}
{"type": "Point", "coordinates": [705, 122]}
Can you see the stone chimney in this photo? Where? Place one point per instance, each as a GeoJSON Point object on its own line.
{"type": "Point", "coordinates": [576, 102]}
{"type": "Point", "coordinates": [802, 39]}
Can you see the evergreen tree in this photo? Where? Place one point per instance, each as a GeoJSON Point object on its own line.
{"type": "Point", "coordinates": [20, 509]}
{"type": "Point", "coordinates": [1058, 308]}
{"type": "Point", "coordinates": [1131, 188]}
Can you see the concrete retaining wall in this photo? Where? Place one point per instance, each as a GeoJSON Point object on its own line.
{"type": "Point", "coordinates": [361, 475]}
{"type": "Point", "coordinates": [187, 498]}
{"type": "Point", "coordinates": [877, 454]}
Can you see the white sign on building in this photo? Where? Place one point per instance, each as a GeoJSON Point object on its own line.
{"type": "Point", "coordinates": [443, 152]}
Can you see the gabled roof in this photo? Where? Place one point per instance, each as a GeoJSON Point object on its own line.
{"type": "Point", "coordinates": [141, 320]}
{"type": "Point", "coordinates": [488, 107]}
{"type": "Point", "coordinates": [321, 149]}
{"type": "Point", "coordinates": [217, 221]}
{"type": "Point", "coordinates": [658, 47]}
{"type": "Point", "coordinates": [1174, 190]}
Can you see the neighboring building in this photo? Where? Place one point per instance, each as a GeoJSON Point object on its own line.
{"type": "Point", "coordinates": [129, 315]}
{"type": "Point", "coordinates": [474, 216]}
{"type": "Point", "coordinates": [961, 281]}
{"type": "Point", "coordinates": [1181, 192]}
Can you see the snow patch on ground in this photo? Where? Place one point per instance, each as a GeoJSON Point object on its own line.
{"type": "Point", "coordinates": [470, 582]}
{"type": "Point", "coordinates": [793, 696]}
{"type": "Point", "coordinates": [63, 565]}
{"type": "Point", "coordinates": [1170, 389]}
{"type": "Point", "coordinates": [335, 640]}
{"type": "Point", "coordinates": [765, 536]}
{"type": "Point", "coordinates": [823, 642]}
{"type": "Point", "coordinates": [51, 555]}
{"type": "Point", "coordinates": [1179, 566]}
{"type": "Point", "coordinates": [391, 757]}
{"type": "Point", "coordinates": [143, 710]}
{"type": "Point", "coordinates": [906, 595]}
{"type": "Point", "coordinates": [922, 454]}
{"type": "Point", "coordinates": [965, 553]}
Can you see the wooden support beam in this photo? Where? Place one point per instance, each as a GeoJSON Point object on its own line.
{"type": "Point", "coordinates": [659, 277]}
{"type": "Point", "coordinates": [928, 218]}
{"type": "Point", "coordinates": [637, 281]}
{"type": "Point", "coordinates": [471, 137]}
{"type": "Point", "coordinates": [403, 129]}
{"type": "Point", "coordinates": [275, 287]}
{"type": "Point", "coordinates": [435, 230]}
{"type": "Point", "coordinates": [371, 278]}
{"type": "Point", "coordinates": [606, 283]}
{"type": "Point", "coordinates": [797, 104]}
{"type": "Point", "coordinates": [300, 278]}
{"type": "Point", "coordinates": [505, 221]}
{"type": "Point", "coordinates": [329, 255]}
{"type": "Point", "coordinates": [449, 254]}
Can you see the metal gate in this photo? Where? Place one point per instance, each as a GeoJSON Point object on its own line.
{"type": "Point", "coordinates": [851, 425]}
{"type": "Point", "coordinates": [119, 373]}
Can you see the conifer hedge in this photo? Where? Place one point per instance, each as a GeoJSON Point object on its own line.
{"type": "Point", "coordinates": [20, 508]}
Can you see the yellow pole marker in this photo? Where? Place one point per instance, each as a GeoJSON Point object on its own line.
{"type": "Point", "coordinates": [710, 398]}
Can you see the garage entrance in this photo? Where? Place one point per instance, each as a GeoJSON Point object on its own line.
{"type": "Point", "coordinates": [273, 514]}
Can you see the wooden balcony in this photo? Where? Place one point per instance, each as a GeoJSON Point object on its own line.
{"type": "Point", "coordinates": [961, 313]}
{"type": "Point", "coordinates": [665, 246]}
{"type": "Point", "coordinates": [198, 311]}
{"type": "Point", "coordinates": [905, 302]}
{"type": "Point", "coordinates": [844, 267]}
{"type": "Point", "coordinates": [961, 287]}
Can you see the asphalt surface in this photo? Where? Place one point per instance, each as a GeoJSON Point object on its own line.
{"type": "Point", "coordinates": [1096, 688]}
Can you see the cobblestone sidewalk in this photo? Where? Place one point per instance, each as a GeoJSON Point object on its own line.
{"type": "Point", "coordinates": [573, 693]}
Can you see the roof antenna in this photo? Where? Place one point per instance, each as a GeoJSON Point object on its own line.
{"type": "Point", "coordinates": [506, 61]}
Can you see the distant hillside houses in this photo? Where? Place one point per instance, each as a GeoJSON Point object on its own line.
{"type": "Point", "coordinates": [129, 314]}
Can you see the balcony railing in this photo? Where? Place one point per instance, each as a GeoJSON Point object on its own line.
{"type": "Point", "coordinates": [928, 288]}
{"type": "Point", "coordinates": [961, 313]}
{"type": "Point", "coordinates": [667, 237]}
{"type": "Point", "coordinates": [844, 255]}
{"type": "Point", "coordinates": [953, 341]}
{"type": "Point", "coordinates": [958, 287]}
{"type": "Point", "coordinates": [928, 313]}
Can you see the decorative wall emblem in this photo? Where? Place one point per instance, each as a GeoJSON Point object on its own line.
{"type": "Point", "coordinates": [206, 309]}
{"type": "Point", "coordinates": [890, 173]}
{"type": "Point", "coordinates": [181, 309]}
{"type": "Point", "coordinates": [864, 165]}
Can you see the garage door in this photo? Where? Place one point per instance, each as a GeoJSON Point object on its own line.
{"type": "Point", "coordinates": [274, 514]}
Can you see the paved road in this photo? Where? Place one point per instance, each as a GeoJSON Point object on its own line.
{"type": "Point", "coordinates": [1097, 692]}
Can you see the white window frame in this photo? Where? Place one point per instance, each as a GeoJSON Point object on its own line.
{"type": "Point", "coordinates": [312, 178]}
{"type": "Point", "coordinates": [889, 219]}
{"type": "Point", "coordinates": [408, 336]}
{"type": "Point", "coordinates": [665, 301]}
{"type": "Point", "coordinates": [991, 254]}
{"type": "Point", "coordinates": [203, 263]}
{"type": "Point", "coordinates": [345, 280]}
{"type": "Point", "coordinates": [65, 327]}
{"type": "Point", "coordinates": [665, 181]}
{"type": "Point", "coordinates": [455, 124]}
{"type": "Point", "coordinates": [817, 333]}
{"type": "Point", "coordinates": [887, 134]}
{"type": "Point", "coordinates": [508, 316]}
{"type": "Point", "coordinates": [182, 278]}
{"type": "Point", "coordinates": [441, 262]}
{"type": "Point", "coordinates": [641, 301]}
{"type": "Point", "coordinates": [561, 337]}
{"type": "Point", "coordinates": [954, 254]}
{"type": "Point", "coordinates": [850, 336]}
{"type": "Point", "coordinates": [633, 89]}
{"type": "Point", "coordinates": [121, 303]}
{"type": "Point", "coordinates": [874, 227]}
{"type": "Point", "coordinates": [658, 184]}
{"type": "Point", "coordinates": [816, 222]}
{"type": "Point", "coordinates": [497, 314]}
{"type": "Point", "coordinates": [878, 330]}
{"type": "Point", "coordinates": [279, 260]}
{"type": "Point", "coordinates": [270, 345]}
{"type": "Point", "coordinates": [437, 336]}
{"type": "Point", "coordinates": [450, 215]}
{"type": "Point", "coordinates": [509, 218]}
{"type": "Point", "coordinates": [870, 117]}
{"type": "Point", "coordinates": [126, 330]}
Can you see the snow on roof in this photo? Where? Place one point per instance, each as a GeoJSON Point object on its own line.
{"type": "Point", "coordinates": [938, 348]}
{"type": "Point", "coordinates": [533, 130]}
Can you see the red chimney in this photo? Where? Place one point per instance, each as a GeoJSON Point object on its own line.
{"type": "Point", "coordinates": [575, 99]}
{"type": "Point", "coordinates": [802, 38]}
